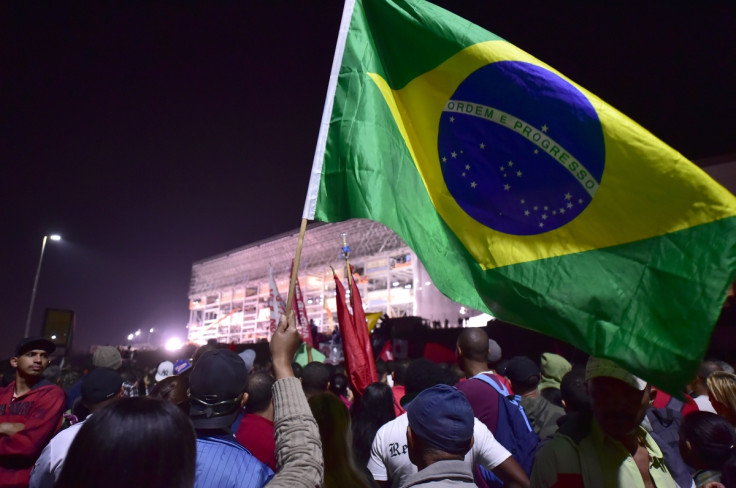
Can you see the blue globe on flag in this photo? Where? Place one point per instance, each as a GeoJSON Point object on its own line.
{"type": "Point", "coordinates": [521, 149]}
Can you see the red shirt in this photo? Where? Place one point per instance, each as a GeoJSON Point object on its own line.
{"type": "Point", "coordinates": [256, 434]}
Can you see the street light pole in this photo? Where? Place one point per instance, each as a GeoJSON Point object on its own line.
{"type": "Point", "coordinates": [53, 237]}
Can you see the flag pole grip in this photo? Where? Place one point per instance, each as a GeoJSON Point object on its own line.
{"type": "Point", "coordinates": [295, 268]}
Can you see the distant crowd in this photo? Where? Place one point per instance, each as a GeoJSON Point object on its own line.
{"type": "Point", "coordinates": [221, 419]}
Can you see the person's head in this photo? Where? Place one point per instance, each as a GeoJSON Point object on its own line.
{"type": "Point", "coordinates": [260, 398]}
{"type": "Point", "coordinates": [698, 385]}
{"type": "Point", "coordinates": [210, 346]}
{"type": "Point", "coordinates": [574, 391]}
{"type": "Point", "coordinates": [420, 375]}
{"type": "Point", "coordinates": [248, 356]}
{"type": "Point", "coordinates": [440, 426]}
{"type": "Point", "coordinates": [217, 386]}
{"type": "Point", "coordinates": [523, 373]}
{"type": "Point", "coordinates": [377, 401]}
{"type": "Point", "coordinates": [399, 372]}
{"type": "Point", "coordinates": [382, 370]}
{"type": "Point", "coordinates": [368, 413]}
{"type": "Point", "coordinates": [68, 378]}
{"type": "Point", "coordinates": [316, 378]}
{"type": "Point", "coordinates": [31, 358]}
{"type": "Point", "coordinates": [139, 441]}
{"type": "Point", "coordinates": [298, 370]}
{"type": "Point", "coordinates": [552, 368]}
{"type": "Point", "coordinates": [173, 389]}
{"type": "Point", "coordinates": [334, 425]}
{"type": "Point", "coordinates": [53, 373]}
{"type": "Point", "coordinates": [181, 366]}
{"type": "Point", "coordinates": [618, 398]}
{"type": "Point", "coordinates": [707, 440]}
{"type": "Point", "coordinates": [472, 347]}
{"type": "Point", "coordinates": [164, 370]}
{"type": "Point", "coordinates": [101, 387]}
{"type": "Point", "coordinates": [722, 394]}
{"type": "Point", "coordinates": [107, 357]}
{"type": "Point", "coordinates": [494, 353]}
{"type": "Point", "coordinates": [339, 384]}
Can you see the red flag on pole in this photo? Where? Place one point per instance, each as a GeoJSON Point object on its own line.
{"type": "Point", "coordinates": [356, 343]}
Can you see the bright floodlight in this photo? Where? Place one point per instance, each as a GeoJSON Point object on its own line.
{"type": "Point", "coordinates": [150, 330]}
{"type": "Point", "coordinates": [138, 332]}
{"type": "Point", "coordinates": [55, 237]}
{"type": "Point", "coordinates": [173, 344]}
{"type": "Point", "coordinates": [130, 337]}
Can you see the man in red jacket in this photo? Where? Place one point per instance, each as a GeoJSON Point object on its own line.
{"type": "Point", "coordinates": [30, 411]}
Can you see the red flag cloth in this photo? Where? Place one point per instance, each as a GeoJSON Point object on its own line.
{"type": "Point", "coordinates": [300, 310]}
{"type": "Point", "coordinates": [356, 344]}
{"type": "Point", "coordinates": [387, 353]}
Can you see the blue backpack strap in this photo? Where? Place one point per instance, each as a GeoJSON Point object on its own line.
{"type": "Point", "coordinates": [499, 387]}
{"type": "Point", "coordinates": [503, 391]}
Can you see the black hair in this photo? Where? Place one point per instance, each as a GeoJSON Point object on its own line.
{"type": "Point", "coordinates": [339, 384]}
{"type": "Point", "coordinates": [381, 367]}
{"type": "Point", "coordinates": [400, 368]}
{"type": "Point", "coordinates": [422, 374]}
{"type": "Point", "coordinates": [141, 442]}
{"type": "Point", "coordinates": [297, 368]}
{"type": "Point", "coordinates": [713, 441]}
{"type": "Point", "coordinates": [369, 412]}
{"type": "Point", "coordinates": [173, 389]}
{"type": "Point", "coordinates": [315, 377]}
{"type": "Point", "coordinates": [574, 392]}
{"type": "Point", "coordinates": [259, 392]}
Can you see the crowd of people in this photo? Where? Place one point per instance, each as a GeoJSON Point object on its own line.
{"type": "Point", "coordinates": [218, 419]}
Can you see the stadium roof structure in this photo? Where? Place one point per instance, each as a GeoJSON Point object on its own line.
{"type": "Point", "coordinates": [322, 247]}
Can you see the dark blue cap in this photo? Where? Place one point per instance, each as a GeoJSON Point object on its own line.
{"type": "Point", "coordinates": [442, 416]}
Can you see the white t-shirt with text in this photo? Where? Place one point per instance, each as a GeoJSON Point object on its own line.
{"type": "Point", "coordinates": [390, 453]}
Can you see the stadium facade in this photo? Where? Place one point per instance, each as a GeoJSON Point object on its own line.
{"type": "Point", "coordinates": [228, 293]}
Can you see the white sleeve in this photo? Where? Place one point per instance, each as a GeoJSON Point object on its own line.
{"type": "Point", "coordinates": [376, 463]}
{"type": "Point", "coordinates": [487, 451]}
{"type": "Point", "coordinates": [41, 475]}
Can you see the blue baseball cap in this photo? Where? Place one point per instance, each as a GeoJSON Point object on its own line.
{"type": "Point", "coordinates": [442, 416]}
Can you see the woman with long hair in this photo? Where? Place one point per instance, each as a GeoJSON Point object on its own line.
{"type": "Point", "coordinates": [135, 442]}
{"type": "Point", "coordinates": [707, 443]}
{"type": "Point", "coordinates": [333, 420]}
{"type": "Point", "coordinates": [722, 394]}
{"type": "Point", "coordinates": [369, 412]}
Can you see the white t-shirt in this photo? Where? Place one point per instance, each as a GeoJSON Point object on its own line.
{"type": "Point", "coordinates": [704, 403]}
{"type": "Point", "coordinates": [390, 453]}
{"type": "Point", "coordinates": [48, 466]}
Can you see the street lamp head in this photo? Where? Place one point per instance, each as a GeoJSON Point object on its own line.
{"type": "Point", "coordinates": [55, 237]}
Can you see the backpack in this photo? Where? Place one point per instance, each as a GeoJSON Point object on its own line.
{"type": "Point", "coordinates": [665, 424]}
{"type": "Point", "coordinates": [513, 430]}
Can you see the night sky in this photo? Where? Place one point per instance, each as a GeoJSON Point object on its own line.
{"type": "Point", "coordinates": [154, 135]}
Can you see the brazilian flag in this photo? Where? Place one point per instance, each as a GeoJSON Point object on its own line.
{"type": "Point", "coordinates": [523, 194]}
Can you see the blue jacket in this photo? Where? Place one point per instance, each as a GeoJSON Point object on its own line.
{"type": "Point", "coordinates": [223, 463]}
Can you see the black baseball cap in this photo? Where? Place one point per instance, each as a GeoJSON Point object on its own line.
{"type": "Point", "coordinates": [30, 343]}
{"type": "Point", "coordinates": [100, 384]}
{"type": "Point", "coordinates": [216, 382]}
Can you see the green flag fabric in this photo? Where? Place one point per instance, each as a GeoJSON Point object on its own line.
{"type": "Point", "coordinates": [522, 193]}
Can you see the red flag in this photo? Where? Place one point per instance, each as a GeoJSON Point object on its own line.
{"type": "Point", "coordinates": [300, 310]}
{"type": "Point", "coordinates": [387, 353]}
{"type": "Point", "coordinates": [356, 344]}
